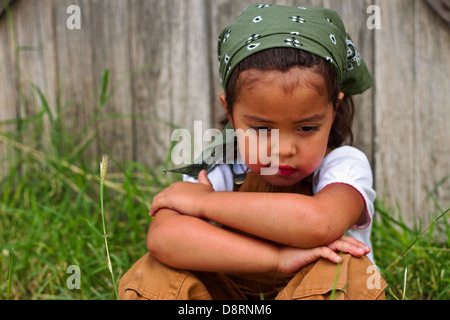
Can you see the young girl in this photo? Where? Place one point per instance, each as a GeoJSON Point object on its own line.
{"type": "Point", "coordinates": [289, 71]}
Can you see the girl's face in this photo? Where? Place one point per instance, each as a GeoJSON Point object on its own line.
{"type": "Point", "coordinates": [297, 104]}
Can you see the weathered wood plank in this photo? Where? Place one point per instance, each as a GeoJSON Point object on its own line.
{"type": "Point", "coordinates": [110, 31]}
{"type": "Point", "coordinates": [411, 107]}
{"type": "Point", "coordinates": [35, 40]}
{"type": "Point", "coordinates": [75, 66]}
{"type": "Point", "coordinates": [149, 60]}
{"type": "Point", "coordinates": [24, 69]}
{"type": "Point", "coordinates": [171, 39]}
{"type": "Point", "coordinates": [431, 110]}
{"type": "Point", "coordinates": [9, 97]}
{"type": "Point", "coordinates": [394, 115]}
{"type": "Point", "coordinates": [354, 15]}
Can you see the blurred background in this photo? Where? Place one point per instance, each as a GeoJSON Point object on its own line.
{"type": "Point", "coordinates": [137, 69]}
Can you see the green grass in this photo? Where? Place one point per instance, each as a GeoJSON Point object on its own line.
{"type": "Point", "coordinates": [55, 206]}
{"type": "Point", "coordinates": [413, 261]}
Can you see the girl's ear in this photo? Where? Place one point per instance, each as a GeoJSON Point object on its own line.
{"type": "Point", "coordinates": [341, 97]}
{"type": "Point", "coordinates": [223, 99]}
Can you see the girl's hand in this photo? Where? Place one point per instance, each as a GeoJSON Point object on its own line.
{"type": "Point", "coordinates": [293, 259]}
{"type": "Point", "coordinates": [183, 197]}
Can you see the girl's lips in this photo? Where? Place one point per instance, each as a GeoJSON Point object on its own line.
{"type": "Point", "coordinates": [286, 171]}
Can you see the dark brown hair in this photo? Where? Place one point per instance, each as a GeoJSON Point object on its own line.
{"type": "Point", "coordinates": [283, 59]}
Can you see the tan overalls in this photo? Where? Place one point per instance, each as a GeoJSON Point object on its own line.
{"type": "Point", "coordinates": [356, 278]}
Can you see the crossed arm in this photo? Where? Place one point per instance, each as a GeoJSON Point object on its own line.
{"type": "Point", "coordinates": [307, 228]}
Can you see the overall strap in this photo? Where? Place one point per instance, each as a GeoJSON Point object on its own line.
{"type": "Point", "coordinates": [254, 183]}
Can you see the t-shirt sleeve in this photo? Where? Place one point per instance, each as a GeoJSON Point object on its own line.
{"type": "Point", "coordinates": [221, 178]}
{"type": "Point", "coordinates": [349, 166]}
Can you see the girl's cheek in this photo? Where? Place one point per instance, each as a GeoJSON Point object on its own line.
{"type": "Point", "coordinates": [254, 157]}
{"type": "Point", "coordinates": [247, 153]}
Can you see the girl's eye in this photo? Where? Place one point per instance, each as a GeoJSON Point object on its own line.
{"type": "Point", "coordinates": [308, 129]}
{"type": "Point", "coordinates": [259, 129]}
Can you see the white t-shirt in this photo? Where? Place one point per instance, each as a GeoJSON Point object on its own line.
{"type": "Point", "coordinates": [345, 165]}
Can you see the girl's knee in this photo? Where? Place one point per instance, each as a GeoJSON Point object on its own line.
{"type": "Point", "coordinates": [149, 279]}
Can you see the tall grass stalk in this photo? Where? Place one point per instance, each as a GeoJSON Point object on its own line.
{"type": "Point", "coordinates": [404, 283]}
{"type": "Point", "coordinates": [103, 170]}
{"type": "Point", "coordinates": [336, 277]}
{"type": "Point", "coordinates": [11, 259]}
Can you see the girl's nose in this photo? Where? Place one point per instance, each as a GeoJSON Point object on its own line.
{"type": "Point", "coordinates": [287, 147]}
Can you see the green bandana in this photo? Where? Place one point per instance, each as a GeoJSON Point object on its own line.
{"type": "Point", "coordinates": [260, 27]}
{"type": "Point", "coordinates": [315, 30]}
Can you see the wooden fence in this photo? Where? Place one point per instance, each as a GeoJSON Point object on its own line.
{"type": "Point", "coordinates": [161, 55]}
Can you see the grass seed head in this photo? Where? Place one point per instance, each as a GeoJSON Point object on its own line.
{"type": "Point", "coordinates": [103, 167]}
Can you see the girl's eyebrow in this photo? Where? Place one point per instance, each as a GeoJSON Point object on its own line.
{"type": "Point", "coordinates": [317, 117]}
{"type": "Point", "coordinates": [257, 119]}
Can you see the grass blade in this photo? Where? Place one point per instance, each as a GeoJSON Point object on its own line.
{"type": "Point", "coordinates": [417, 239]}
{"type": "Point", "coordinates": [8, 290]}
{"type": "Point", "coordinates": [45, 105]}
{"type": "Point", "coordinates": [336, 278]}
{"type": "Point", "coordinates": [104, 94]}
{"type": "Point", "coordinates": [404, 283]}
{"type": "Point", "coordinates": [103, 169]}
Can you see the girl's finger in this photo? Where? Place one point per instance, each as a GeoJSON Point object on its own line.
{"type": "Point", "coordinates": [329, 254]}
{"type": "Point", "coordinates": [154, 208]}
{"type": "Point", "coordinates": [203, 178]}
{"type": "Point", "coordinates": [347, 247]}
{"type": "Point", "coordinates": [356, 243]}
